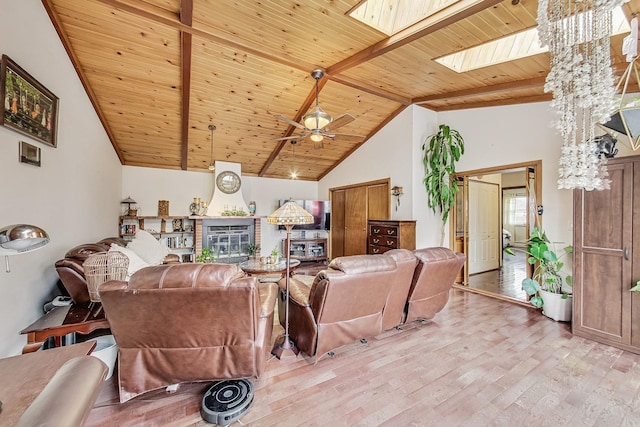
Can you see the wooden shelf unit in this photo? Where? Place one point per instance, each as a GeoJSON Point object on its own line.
{"type": "Point", "coordinates": [307, 249]}
{"type": "Point", "coordinates": [178, 241]}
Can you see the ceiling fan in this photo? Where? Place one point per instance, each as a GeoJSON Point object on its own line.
{"type": "Point", "coordinates": [317, 124]}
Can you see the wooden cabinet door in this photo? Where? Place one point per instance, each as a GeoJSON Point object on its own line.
{"type": "Point", "coordinates": [337, 222]}
{"type": "Point", "coordinates": [602, 263]}
{"type": "Point", "coordinates": [355, 229]}
{"type": "Point", "coordinates": [378, 201]}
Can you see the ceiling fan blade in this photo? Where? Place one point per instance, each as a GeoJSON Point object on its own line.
{"type": "Point", "coordinates": [334, 134]}
{"type": "Point", "coordinates": [286, 138]}
{"type": "Point", "coordinates": [288, 120]}
{"type": "Point", "coordinates": [341, 121]}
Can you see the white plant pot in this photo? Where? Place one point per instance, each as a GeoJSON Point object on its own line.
{"type": "Point", "coordinates": [555, 307]}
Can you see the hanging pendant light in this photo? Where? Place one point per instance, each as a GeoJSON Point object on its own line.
{"type": "Point", "coordinates": [294, 173]}
{"type": "Point", "coordinates": [212, 165]}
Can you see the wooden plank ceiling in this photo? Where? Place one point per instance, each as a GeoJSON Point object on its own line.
{"type": "Point", "coordinates": [160, 71]}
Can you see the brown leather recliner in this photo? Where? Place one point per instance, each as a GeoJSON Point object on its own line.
{"type": "Point", "coordinates": [188, 322]}
{"type": "Point", "coordinates": [433, 278]}
{"type": "Point", "coordinates": [70, 268]}
{"type": "Point", "coordinates": [71, 271]}
{"type": "Point", "coordinates": [394, 310]}
{"type": "Point", "coordinates": [344, 303]}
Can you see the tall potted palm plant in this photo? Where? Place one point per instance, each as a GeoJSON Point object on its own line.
{"type": "Point", "coordinates": [441, 152]}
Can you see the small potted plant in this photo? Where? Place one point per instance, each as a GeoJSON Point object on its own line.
{"type": "Point", "coordinates": [206, 256]}
{"type": "Point", "coordinates": [253, 249]}
{"type": "Point", "coordinates": [547, 288]}
{"type": "Point", "coordinates": [274, 255]}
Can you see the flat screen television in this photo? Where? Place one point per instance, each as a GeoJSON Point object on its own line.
{"type": "Point", "coordinates": [321, 211]}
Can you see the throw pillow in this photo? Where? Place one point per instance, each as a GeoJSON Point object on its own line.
{"type": "Point", "coordinates": [135, 262]}
{"type": "Point", "coordinates": [148, 248]}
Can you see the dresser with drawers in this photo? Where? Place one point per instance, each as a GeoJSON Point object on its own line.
{"type": "Point", "coordinates": [384, 235]}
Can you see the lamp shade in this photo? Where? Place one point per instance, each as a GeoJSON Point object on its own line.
{"type": "Point", "coordinates": [291, 214]}
{"type": "Point", "coordinates": [317, 120]}
{"type": "Point", "coordinates": [20, 238]}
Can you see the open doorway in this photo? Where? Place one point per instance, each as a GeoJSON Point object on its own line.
{"type": "Point", "coordinates": [495, 209]}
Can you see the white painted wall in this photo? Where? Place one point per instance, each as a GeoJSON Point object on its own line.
{"type": "Point", "coordinates": [496, 136]}
{"type": "Point", "coordinates": [74, 196]}
{"type": "Point", "coordinates": [147, 185]}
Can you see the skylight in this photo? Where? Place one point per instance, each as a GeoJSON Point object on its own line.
{"type": "Point", "coordinates": [512, 47]}
{"type": "Point", "coordinates": [391, 16]}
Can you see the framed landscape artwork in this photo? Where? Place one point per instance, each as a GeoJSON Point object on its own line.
{"type": "Point", "coordinates": [27, 106]}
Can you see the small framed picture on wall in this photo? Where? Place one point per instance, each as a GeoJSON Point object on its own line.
{"type": "Point", "coordinates": [30, 154]}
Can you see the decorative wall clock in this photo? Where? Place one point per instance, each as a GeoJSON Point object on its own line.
{"type": "Point", "coordinates": [228, 182]}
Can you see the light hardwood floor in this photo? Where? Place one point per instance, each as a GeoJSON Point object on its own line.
{"type": "Point", "coordinates": [479, 362]}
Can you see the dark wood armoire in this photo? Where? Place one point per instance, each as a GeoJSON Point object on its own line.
{"type": "Point", "coordinates": [607, 258]}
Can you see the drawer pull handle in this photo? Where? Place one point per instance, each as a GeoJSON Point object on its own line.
{"type": "Point", "coordinates": [391, 231]}
{"type": "Point", "coordinates": [376, 230]}
{"type": "Point", "coordinates": [376, 240]}
{"type": "Point", "coordinates": [375, 250]}
{"type": "Point", "coordinates": [389, 242]}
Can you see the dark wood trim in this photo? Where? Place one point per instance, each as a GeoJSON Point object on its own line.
{"type": "Point", "coordinates": [57, 24]}
{"type": "Point", "coordinates": [495, 103]}
{"type": "Point", "coordinates": [382, 181]}
{"type": "Point", "coordinates": [186, 46]}
{"type": "Point", "coordinates": [485, 90]}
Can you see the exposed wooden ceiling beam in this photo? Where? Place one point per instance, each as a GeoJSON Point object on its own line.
{"type": "Point", "coordinates": [57, 24]}
{"type": "Point", "coordinates": [494, 103]}
{"type": "Point", "coordinates": [308, 102]}
{"type": "Point", "coordinates": [156, 14]}
{"type": "Point", "coordinates": [186, 44]}
{"type": "Point", "coordinates": [439, 20]}
{"type": "Point", "coordinates": [364, 87]}
{"type": "Point", "coordinates": [485, 90]}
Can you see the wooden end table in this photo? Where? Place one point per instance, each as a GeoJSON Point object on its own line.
{"type": "Point", "coordinates": [61, 321]}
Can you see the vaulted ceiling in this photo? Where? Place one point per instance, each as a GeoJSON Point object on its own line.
{"type": "Point", "coordinates": [159, 72]}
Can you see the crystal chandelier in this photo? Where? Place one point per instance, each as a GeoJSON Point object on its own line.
{"type": "Point", "coordinates": [578, 34]}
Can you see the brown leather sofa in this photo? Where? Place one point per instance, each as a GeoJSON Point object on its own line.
{"type": "Point", "coordinates": [344, 303]}
{"type": "Point", "coordinates": [363, 295]}
{"type": "Point", "coordinates": [71, 271]}
{"type": "Point", "coordinates": [434, 275]}
{"type": "Point", "coordinates": [188, 322]}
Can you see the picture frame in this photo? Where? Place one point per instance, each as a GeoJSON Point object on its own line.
{"type": "Point", "coordinates": [26, 106]}
{"type": "Point", "coordinates": [30, 154]}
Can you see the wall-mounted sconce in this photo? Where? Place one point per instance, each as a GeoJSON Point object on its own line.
{"type": "Point", "coordinates": [397, 192]}
{"type": "Point", "coordinates": [19, 238]}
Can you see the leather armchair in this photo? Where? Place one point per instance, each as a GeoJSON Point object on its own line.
{"type": "Point", "coordinates": [394, 310]}
{"type": "Point", "coordinates": [71, 271]}
{"type": "Point", "coordinates": [344, 303]}
{"type": "Point", "coordinates": [188, 322]}
{"type": "Point", "coordinates": [70, 268]}
{"type": "Point", "coordinates": [434, 276]}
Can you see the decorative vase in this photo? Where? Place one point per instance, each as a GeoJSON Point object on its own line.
{"type": "Point", "coordinates": [252, 208]}
{"type": "Point", "coordinates": [194, 207]}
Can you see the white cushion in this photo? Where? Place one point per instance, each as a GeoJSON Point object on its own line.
{"type": "Point", "coordinates": [135, 262]}
{"type": "Point", "coordinates": [148, 248]}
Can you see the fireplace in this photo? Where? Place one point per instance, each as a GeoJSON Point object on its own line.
{"type": "Point", "coordinates": [228, 238]}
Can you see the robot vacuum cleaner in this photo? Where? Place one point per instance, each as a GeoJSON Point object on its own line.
{"type": "Point", "coordinates": [226, 401]}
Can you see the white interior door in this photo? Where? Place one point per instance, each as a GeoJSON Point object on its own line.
{"type": "Point", "coordinates": [484, 227]}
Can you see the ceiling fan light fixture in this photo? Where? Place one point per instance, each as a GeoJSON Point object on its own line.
{"type": "Point", "coordinates": [317, 120]}
{"type": "Point", "coordinates": [316, 137]}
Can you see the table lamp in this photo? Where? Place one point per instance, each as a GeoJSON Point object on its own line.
{"type": "Point", "coordinates": [288, 215]}
{"type": "Point", "coordinates": [19, 238]}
